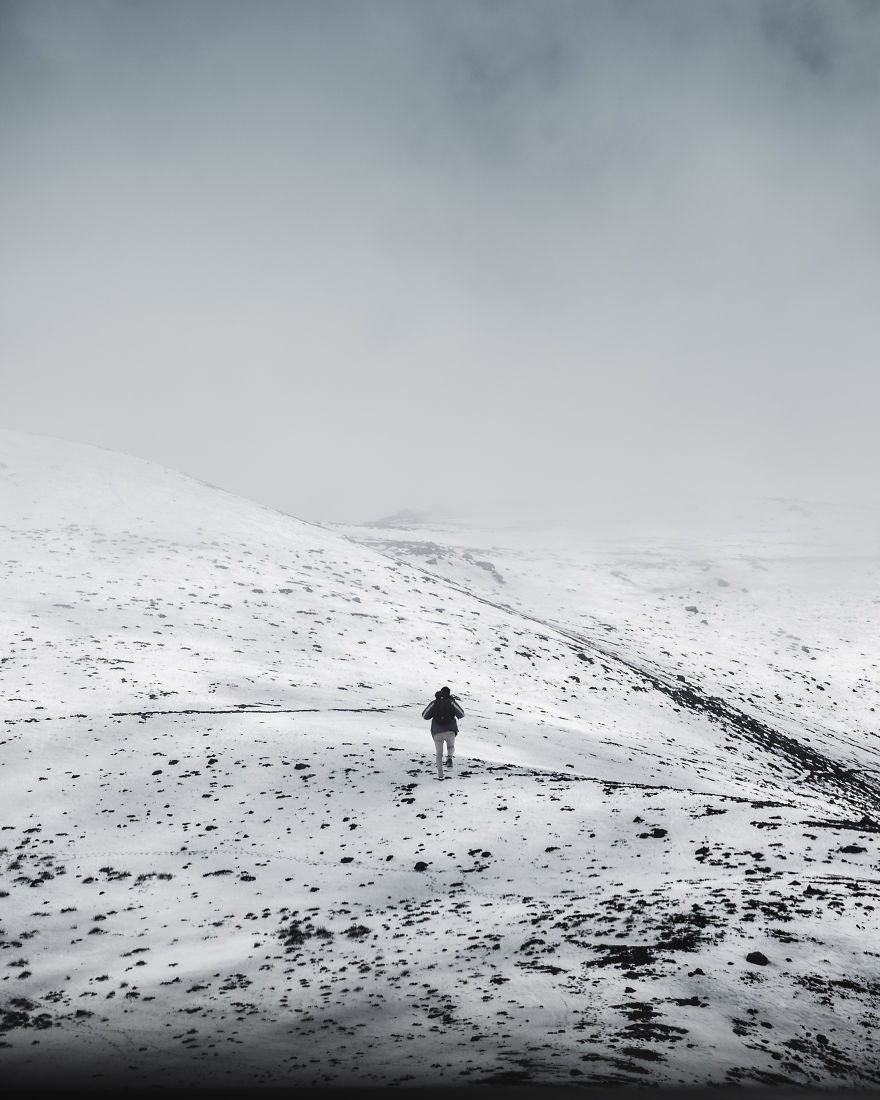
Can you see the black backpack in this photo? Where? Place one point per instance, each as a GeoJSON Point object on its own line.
{"type": "Point", "coordinates": [444, 712]}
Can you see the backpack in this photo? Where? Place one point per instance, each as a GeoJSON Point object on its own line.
{"type": "Point", "coordinates": [444, 712]}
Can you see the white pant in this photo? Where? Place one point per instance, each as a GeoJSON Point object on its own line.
{"type": "Point", "coordinates": [448, 736]}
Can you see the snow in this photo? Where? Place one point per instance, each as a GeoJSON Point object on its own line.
{"type": "Point", "coordinates": [216, 790]}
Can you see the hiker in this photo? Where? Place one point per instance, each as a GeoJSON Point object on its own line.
{"type": "Point", "coordinates": [443, 711]}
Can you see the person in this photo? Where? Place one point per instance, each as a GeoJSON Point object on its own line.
{"type": "Point", "coordinates": [443, 710]}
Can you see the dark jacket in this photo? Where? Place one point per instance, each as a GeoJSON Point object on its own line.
{"type": "Point", "coordinates": [443, 727]}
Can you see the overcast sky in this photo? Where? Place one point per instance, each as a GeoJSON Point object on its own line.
{"type": "Point", "coordinates": [349, 257]}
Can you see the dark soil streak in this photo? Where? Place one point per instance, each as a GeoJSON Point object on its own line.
{"type": "Point", "coordinates": [824, 773]}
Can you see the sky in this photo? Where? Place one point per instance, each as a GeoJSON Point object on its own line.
{"type": "Point", "coordinates": [348, 257]}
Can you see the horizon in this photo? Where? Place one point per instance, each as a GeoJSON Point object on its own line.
{"type": "Point", "coordinates": [850, 527]}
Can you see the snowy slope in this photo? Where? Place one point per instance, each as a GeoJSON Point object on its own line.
{"type": "Point", "coordinates": [777, 612]}
{"type": "Point", "coordinates": [227, 859]}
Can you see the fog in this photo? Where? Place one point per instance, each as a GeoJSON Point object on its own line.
{"type": "Point", "coordinates": [345, 258]}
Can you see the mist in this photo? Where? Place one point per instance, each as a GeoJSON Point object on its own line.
{"type": "Point", "coordinates": [538, 258]}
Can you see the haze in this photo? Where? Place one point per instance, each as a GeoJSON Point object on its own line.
{"type": "Point", "coordinates": [345, 258]}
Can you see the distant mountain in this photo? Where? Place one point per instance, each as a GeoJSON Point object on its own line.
{"type": "Point", "coordinates": [228, 859]}
{"type": "Point", "coordinates": [405, 518]}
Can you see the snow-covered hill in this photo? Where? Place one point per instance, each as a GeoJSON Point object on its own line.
{"type": "Point", "coordinates": [227, 859]}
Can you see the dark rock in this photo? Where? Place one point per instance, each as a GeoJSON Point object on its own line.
{"type": "Point", "coordinates": [357, 931]}
{"type": "Point", "coordinates": [421, 866]}
{"type": "Point", "coordinates": [757, 958]}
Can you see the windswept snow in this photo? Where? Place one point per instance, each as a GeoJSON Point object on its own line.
{"type": "Point", "coordinates": [227, 859]}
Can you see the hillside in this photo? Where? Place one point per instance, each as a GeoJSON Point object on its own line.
{"type": "Point", "coordinates": [228, 860]}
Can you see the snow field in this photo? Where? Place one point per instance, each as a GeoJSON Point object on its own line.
{"type": "Point", "coordinates": [227, 859]}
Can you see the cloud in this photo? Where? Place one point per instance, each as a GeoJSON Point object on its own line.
{"type": "Point", "coordinates": [344, 258]}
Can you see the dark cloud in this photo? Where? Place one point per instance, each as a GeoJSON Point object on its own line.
{"type": "Point", "coordinates": [347, 257]}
